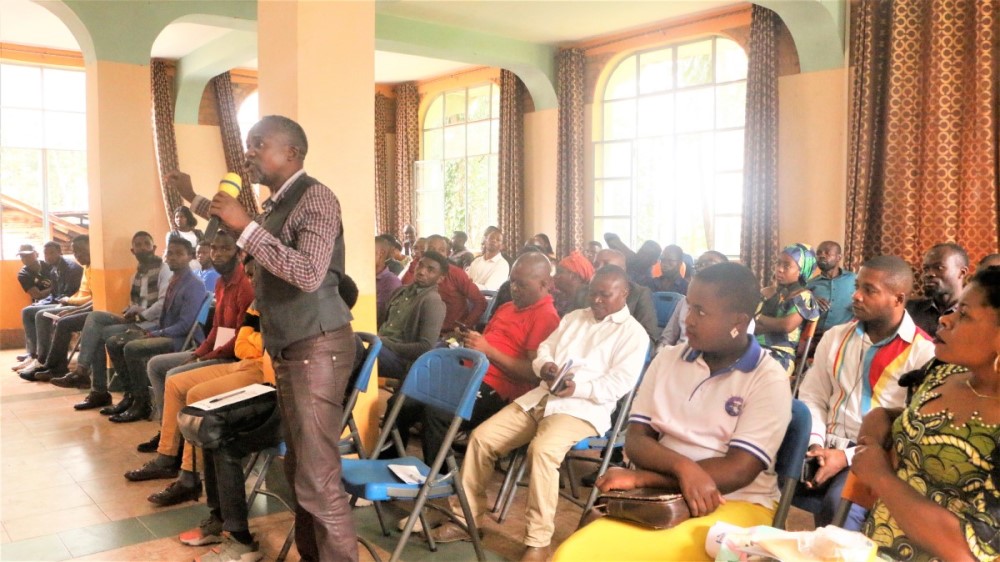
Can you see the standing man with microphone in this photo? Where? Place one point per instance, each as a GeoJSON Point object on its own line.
{"type": "Point", "coordinates": [298, 245]}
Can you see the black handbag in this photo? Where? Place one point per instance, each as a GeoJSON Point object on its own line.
{"type": "Point", "coordinates": [214, 428]}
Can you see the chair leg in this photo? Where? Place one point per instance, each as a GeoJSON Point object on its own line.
{"type": "Point", "coordinates": [572, 478]}
{"type": "Point", "coordinates": [509, 500]}
{"type": "Point", "coordinates": [470, 521]}
{"type": "Point", "coordinates": [427, 531]}
{"type": "Point", "coordinates": [365, 543]}
{"type": "Point", "coordinates": [261, 477]}
{"type": "Point", "coordinates": [381, 518]}
{"type": "Point", "coordinates": [508, 479]}
{"type": "Point", "coordinates": [290, 538]}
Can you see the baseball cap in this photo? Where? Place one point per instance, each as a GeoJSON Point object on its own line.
{"type": "Point", "coordinates": [26, 249]}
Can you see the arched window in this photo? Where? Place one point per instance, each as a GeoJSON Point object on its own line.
{"type": "Point", "coordinates": [248, 114]}
{"type": "Point", "coordinates": [456, 178]}
{"type": "Point", "coordinates": [669, 155]}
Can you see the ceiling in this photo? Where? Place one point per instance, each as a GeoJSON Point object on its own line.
{"type": "Point", "coordinates": [545, 21]}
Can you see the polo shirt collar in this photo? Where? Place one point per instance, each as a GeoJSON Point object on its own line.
{"type": "Point", "coordinates": [907, 330]}
{"type": "Point", "coordinates": [544, 301]}
{"type": "Point", "coordinates": [494, 259]}
{"type": "Point", "coordinates": [616, 317]}
{"type": "Point", "coordinates": [746, 363]}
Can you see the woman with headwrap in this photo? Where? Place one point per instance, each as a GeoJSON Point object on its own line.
{"type": "Point", "coordinates": [787, 304]}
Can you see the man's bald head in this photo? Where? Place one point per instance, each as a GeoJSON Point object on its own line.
{"type": "Point", "coordinates": [535, 264]}
{"type": "Point", "coordinates": [609, 257]}
{"type": "Point", "coordinates": [529, 279]}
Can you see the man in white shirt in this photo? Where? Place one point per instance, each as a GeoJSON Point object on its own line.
{"type": "Point", "coordinates": [609, 346]}
{"type": "Point", "coordinates": [490, 270]}
{"type": "Point", "coordinates": [857, 368]}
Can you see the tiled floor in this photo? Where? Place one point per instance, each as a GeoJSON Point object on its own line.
{"type": "Point", "coordinates": [63, 497]}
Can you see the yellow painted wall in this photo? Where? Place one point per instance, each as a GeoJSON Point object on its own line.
{"type": "Point", "coordinates": [540, 157]}
{"type": "Point", "coordinates": [11, 303]}
{"type": "Point", "coordinates": [199, 153]}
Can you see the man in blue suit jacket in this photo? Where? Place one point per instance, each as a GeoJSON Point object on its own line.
{"type": "Point", "coordinates": [132, 349]}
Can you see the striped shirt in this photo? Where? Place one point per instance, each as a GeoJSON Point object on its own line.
{"type": "Point", "coordinates": [851, 375]}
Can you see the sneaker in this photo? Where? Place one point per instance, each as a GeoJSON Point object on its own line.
{"type": "Point", "coordinates": [232, 550]}
{"type": "Point", "coordinates": [209, 531]}
{"type": "Point", "coordinates": [30, 366]}
{"type": "Point", "coordinates": [23, 357]}
{"type": "Point", "coordinates": [22, 363]}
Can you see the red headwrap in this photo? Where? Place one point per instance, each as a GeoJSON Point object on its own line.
{"type": "Point", "coordinates": [578, 264]}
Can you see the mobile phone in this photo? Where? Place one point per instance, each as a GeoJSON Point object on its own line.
{"type": "Point", "coordinates": [462, 327]}
{"type": "Point", "coordinates": [809, 469]}
{"type": "Point", "coordinates": [562, 378]}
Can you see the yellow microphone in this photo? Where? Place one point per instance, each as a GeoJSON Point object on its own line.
{"type": "Point", "coordinates": [230, 184]}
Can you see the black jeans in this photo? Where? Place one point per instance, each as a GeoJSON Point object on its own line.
{"type": "Point", "coordinates": [312, 375]}
{"type": "Point", "coordinates": [62, 333]}
{"type": "Point", "coordinates": [436, 422]}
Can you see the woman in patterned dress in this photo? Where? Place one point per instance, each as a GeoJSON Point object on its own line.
{"type": "Point", "coordinates": [938, 487]}
{"type": "Point", "coordinates": [787, 305]}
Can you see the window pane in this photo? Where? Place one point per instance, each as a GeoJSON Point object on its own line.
{"type": "Point", "coordinates": [67, 179]}
{"type": "Point", "coordinates": [695, 110]}
{"type": "Point", "coordinates": [65, 130]}
{"type": "Point", "coordinates": [495, 101]}
{"type": "Point", "coordinates": [654, 179]}
{"type": "Point", "coordinates": [729, 151]}
{"type": "Point", "coordinates": [454, 142]}
{"type": "Point", "coordinates": [727, 235]}
{"type": "Point", "coordinates": [21, 175]}
{"type": "Point", "coordinates": [432, 118]}
{"type": "Point", "coordinates": [494, 136]}
{"type": "Point", "coordinates": [730, 62]}
{"type": "Point", "coordinates": [612, 197]}
{"type": "Point", "coordinates": [20, 86]}
{"type": "Point", "coordinates": [21, 128]}
{"type": "Point", "coordinates": [729, 193]}
{"type": "Point", "coordinates": [478, 196]}
{"type": "Point", "coordinates": [454, 195]}
{"type": "Point", "coordinates": [730, 105]}
{"type": "Point", "coordinates": [694, 63]}
{"type": "Point", "coordinates": [65, 90]}
{"type": "Point", "coordinates": [619, 120]}
{"type": "Point", "coordinates": [433, 147]}
{"type": "Point", "coordinates": [479, 103]}
{"type": "Point", "coordinates": [429, 177]}
{"type": "Point", "coordinates": [614, 160]}
{"type": "Point", "coordinates": [621, 84]}
{"type": "Point", "coordinates": [454, 107]}
{"type": "Point", "coordinates": [656, 71]}
{"type": "Point", "coordinates": [657, 115]}
{"type": "Point", "coordinates": [478, 136]}
{"type": "Point", "coordinates": [620, 226]}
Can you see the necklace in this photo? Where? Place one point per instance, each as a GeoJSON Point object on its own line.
{"type": "Point", "coordinates": [968, 383]}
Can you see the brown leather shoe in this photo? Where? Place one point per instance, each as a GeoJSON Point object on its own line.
{"type": "Point", "coordinates": [151, 471]}
{"type": "Point", "coordinates": [176, 493]}
{"type": "Point", "coordinates": [452, 532]}
{"type": "Point", "coordinates": [96, 399]}
{"type": "Point", "coordinates": [76, 379]}
{"type": "Point", "coordinates": [537, 554]}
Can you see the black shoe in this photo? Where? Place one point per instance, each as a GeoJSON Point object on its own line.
{"type": "Point", "coordinates": [46, 373]}
{"type": "Point", "coordinates": [95, 399]}
{"type": "Point", "coordinates": [176, 493]}
{"type": "Point", "coordinates": [150, 471]}
{"type": "Point", "coordinates": [28, 375]}
{"type": "Point", "coordinates": [149, 446]}
{"type": "Point", "coordinates": [120, 407]}
{"type": "Point", "coordinates": [139, 410]}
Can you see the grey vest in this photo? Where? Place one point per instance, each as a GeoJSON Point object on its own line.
{"type": "Point", "coordinates": [289, 314]}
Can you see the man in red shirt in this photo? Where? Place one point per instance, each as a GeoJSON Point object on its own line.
{"type": "Point", "coordinates": [510, 342]}
{"type": "Point", "coordinates": [463, 302]}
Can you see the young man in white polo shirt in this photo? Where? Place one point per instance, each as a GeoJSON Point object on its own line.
{"type": "Point", "coordinates": [707, 422]}
{"type": "Point", "coordinates": [490, 270]}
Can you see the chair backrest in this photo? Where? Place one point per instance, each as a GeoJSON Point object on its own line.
{"type": "Point", "coordinates": [491, 299]}
{"type": "Point", "coordinates": [802, 352]}
{"type": "Point", "coordinates": [447, 379]}
{"type": "Point", "coordinates": [792, 453]}
{"type": "Point", "coordinates": [200, 320]}
{"type": "Point", "coordinates": [372, 347]}
{"type": "Point", "coordinates": [665, 302]}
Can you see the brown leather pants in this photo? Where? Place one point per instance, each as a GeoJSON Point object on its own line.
{"type": "Point", "coordinates": [312, 375]}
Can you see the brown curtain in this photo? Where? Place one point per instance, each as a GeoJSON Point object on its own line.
{"type": "Point", "coordinates": [569, 167]}
{"type": "Point", "coordinates": [407, 151]}
{"type": "Point", "coordinates": [924, 127]}
{"type": "Point", "coordinates": [385, 213]}
{"type": "Point", "coordinates": [232, 139]}
{"type": "Point", "coordinates": [163, 132]}
{"type": "Point", "coordinates": [759, 245]}
{"type": "Point", "coordinates": [511, 160]}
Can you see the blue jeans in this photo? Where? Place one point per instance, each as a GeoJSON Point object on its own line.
{"type": "Point", "coordinates": [823, 503]}
{"type": "Point", "coordinates": [392, 366]}
{"type": "Point", "coordinates": [28, 315]}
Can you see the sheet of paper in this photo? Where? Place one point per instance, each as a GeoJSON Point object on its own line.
{"type": "Point", "coordinates": [232, 397]}
{"type": "Point", "coordinates": [407, 473]}
{"type": "Point", "coordinates": [223, 336]}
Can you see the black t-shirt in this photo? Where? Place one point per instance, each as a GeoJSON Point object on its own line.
{"type": "Point", "coordinates": [40, 279]}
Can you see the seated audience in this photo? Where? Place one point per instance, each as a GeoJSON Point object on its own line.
{"type": "Point", "coordinates": [396, 260]}
{"type": "Point", "coordinates": [54, 327]}
{"type": "Point", "coordinates": [640, 263]}
{"type": "Point", "coordinates": [35, 277]}
{"type": "Point", "coordinates": [857, 367]}
{"type": "Point", "coordinates": [409, 240]}
{"type": "Point", "coordinates": [674, 333]}
{"type": "Point", "coordinates": [610, 347]}
{"type": "Point", "coordinates": [671, 277]}
{"type": "Point", "coordinates": [184, 226]}
{"type": "Point", "coordinates": [464, 304]}
{"type": "Point", "coordinates": [787, 305]}
{"type": "Point", "coordinates": [67, 276]}
{"type": "Point", "coordinates": [944, 269]}
{"type": "Point", "coordinates": [590, 251]}
{"type": "Point", "coordinates": [992, 260]}
{"type": "Point", "coordinates": [706, 423]}
{"type": "Point", "coordinates": [937, 489]}
{"type": "Point", "coordinates": [419, 247]}
{"type": "Point", "coordinates": [503, 293]}
{"type": "Point", "coordinates": [832, 288]}
{"type": "Point", "coordinates": [413, 318]}
{"type": "Point", "coordinates": [460, 255]}
{"type": "Point", "coordinates": [132, 349]}
{"type": "Point", "coordinates": [640, 299]}
{"type": "Point", "coordinates": [206, 272]}
{"type": "Point", "coordinates": [542, 241]}
{"type": "Point", "coordinates": [490, 270]}
{"type": "Point", "coordinates": [386, 282]}
{"type": "Point", "coordinates": [573, 274]}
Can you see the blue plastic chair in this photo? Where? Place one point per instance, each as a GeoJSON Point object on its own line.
{"type": "Point", "coordinates": [491, 299]}
{"type": "Point", "coordinates": [446, 379]}
{"type": "Point", "coordinates": [665, 302]}
{"type": "Point", "coordinates": [791, 456]}
{"type": "Point", "coordinates": [201, 320]}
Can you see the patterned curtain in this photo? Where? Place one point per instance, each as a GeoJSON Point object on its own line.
{"type": "Point", "coordinates": [407, 151]}
{"type": "Point", "coordinates": [385, 214]}
{"type": "Point", "coordinates": [759, 244]}
{"type": "Point", "coordinates": [232, 140]}
{"type": "Point", "coordinates": [511, 159]}
{"type": "Point", "coordinates": [569, 168]}
{"type": "Point", "coordinates": [924, 127]}
{"type": "Point", "coordinates": [163, 132]}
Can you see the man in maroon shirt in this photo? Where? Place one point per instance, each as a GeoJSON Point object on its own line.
{"type": "Point", "coordinates": [509, 341]}
{"type": "Point", "coordinates": [463, 302]}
